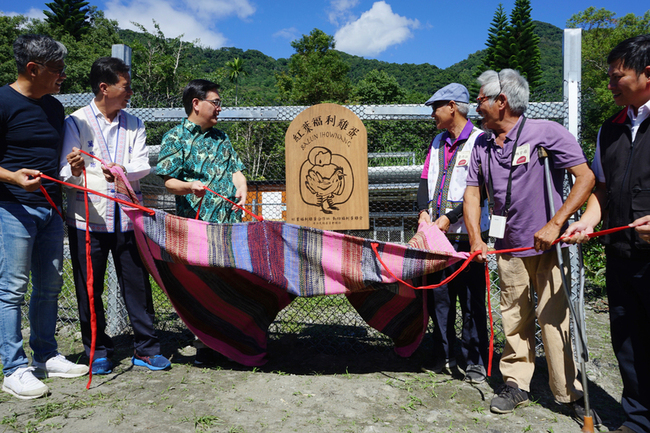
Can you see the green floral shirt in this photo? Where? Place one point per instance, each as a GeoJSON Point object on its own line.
{"type": "Point", "coordinates": [188, 154]}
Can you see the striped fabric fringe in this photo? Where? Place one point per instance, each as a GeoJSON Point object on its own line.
{"type": "Point", "coordinates": [228, 282]}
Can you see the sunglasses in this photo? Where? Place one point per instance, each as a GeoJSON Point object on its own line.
{"type": "Point", "coordinates": [59, 71]}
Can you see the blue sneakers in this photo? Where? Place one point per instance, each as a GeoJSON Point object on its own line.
{"type": "Point", "coordinates": [102, 366]}
{"type": "Point", "coordinates": [154, 363]}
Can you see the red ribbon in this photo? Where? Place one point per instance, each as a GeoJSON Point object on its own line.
{"type": "Point", "coordinates": [88, 190]}
{"type": "Point", "coordinates": [257, 217]}
{"type": "Point", "coordinates": [466, 263]}
{"type": "Point", "coordinates": [90, 282]}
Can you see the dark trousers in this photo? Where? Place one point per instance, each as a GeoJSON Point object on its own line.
{"type": "Point", "coordinates": [133, 281]}
{"type": "Point", "coordinates": [628, 291]}
{"type": "Point", "coordinates": [468, 288]}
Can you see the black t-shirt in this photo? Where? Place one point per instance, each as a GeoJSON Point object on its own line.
{"type": "Point", "coordinates": [31, 135]}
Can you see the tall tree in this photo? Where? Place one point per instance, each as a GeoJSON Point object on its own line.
{"type": "Point", "coordinates": [70, 16]}
{"type": "Point", "coordinates": [496, 38]}
{"type": "Point", "coordinates": [602, 31]}
{"type": "Point", "coordinates": [523, 43]}
{"type": "Point", "coordinates": [316, 72]}
{"type": "Point", "coordinates": [235, 73]}
{"type": "Point", "coordinates": [158, 72]}
{"type": "Point", "coordinates": [514, 45]}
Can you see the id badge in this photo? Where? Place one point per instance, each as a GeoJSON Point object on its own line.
{"type": "Point", "coordinates": [522, 155]}
{"type": "Point", "coordinates": [463, 158]}
{"type": "Point", "coordinates": [497, 226]}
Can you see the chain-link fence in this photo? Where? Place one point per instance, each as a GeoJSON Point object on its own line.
{"type": "Point", "coordinates": [398, 138]}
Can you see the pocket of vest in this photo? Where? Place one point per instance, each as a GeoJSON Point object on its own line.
{"type": "Point", "coordinates": [640, 208]}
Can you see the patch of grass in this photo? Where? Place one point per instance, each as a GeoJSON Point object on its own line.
{"type": "Point", "coordinates": [49, 410]}
{"type": "Point", "coordinates": [203, 422]}
{"type": "Point", "coordinates": [10, 420]}
{"type": "Point", "coordinates": [413, 402]}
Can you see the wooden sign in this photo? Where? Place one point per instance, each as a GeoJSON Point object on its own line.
{"type": "Point", "coordinates": [326, 152]}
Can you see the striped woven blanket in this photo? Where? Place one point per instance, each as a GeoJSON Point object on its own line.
{"type": "Point", "coordinates": [229, 281]}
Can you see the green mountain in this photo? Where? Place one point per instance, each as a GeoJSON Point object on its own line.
{"type": "Point", "coordinates": [419, 81]}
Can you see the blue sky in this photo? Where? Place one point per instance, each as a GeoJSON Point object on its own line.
{"type": "Point", "coordinates": [407, 31]}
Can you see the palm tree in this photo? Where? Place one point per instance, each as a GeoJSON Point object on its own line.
{"type": "Point", "coordinates": [237, 71]}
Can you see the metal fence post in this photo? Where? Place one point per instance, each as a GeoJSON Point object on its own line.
{"type": "Point", "coordinates": [116, 315]}
{"type": "Point", "coordinates": [123, 52]}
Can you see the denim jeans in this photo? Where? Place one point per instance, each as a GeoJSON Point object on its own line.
{"type": "Point", "coordinates": [31, 239]}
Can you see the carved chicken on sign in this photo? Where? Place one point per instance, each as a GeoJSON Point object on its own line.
{"type": "Point", "coordinates": [325, 180]}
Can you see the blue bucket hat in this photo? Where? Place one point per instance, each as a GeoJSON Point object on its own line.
{"type": "Point", "coordinates": [451, 92]}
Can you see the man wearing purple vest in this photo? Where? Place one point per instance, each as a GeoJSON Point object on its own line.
{"type": "Point", "coordinates": [440, 196]}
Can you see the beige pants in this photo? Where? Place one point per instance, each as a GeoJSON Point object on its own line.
{"type": "Point", "coordinates": [518, 314]}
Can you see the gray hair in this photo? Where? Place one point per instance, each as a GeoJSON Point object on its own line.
{"type": "Point", "coordinates": [463, 108]}
{"type": "Point", "coordinates": [510, 83]}
{"type": "Point", "coordinates": [37, 48]}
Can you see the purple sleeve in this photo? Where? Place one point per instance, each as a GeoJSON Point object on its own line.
{"type": "Point", "coordinates": [565, 150]}
{"type": "Point", "coordinates": [425, 169]}
{"type": "Point", "coordinates": [473, 178]}
{"type": "Point", "coordinates": [596, 165]}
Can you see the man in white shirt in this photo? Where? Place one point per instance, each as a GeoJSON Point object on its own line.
{"type": "Point", "coordinates": [118, 138]}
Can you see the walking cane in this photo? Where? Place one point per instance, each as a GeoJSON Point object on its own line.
{"type": "Point", "coordinates": [578, 320]}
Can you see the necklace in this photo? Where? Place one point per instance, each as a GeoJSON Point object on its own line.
{"type": "Point", "coordinates": [22, 92]}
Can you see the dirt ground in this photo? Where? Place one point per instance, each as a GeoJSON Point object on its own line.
{"type": "Point", "coordinates": [300, 390]}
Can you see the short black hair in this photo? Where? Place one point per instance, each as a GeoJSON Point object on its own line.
{"type": "Point", "coordinates": [107, 70]}
{"type": "Point", "coordinates": [634, 53]}
{"type": "Point", "coordinates": [37, 48]}
{"type": "Point", "coordinates": [197, 89]}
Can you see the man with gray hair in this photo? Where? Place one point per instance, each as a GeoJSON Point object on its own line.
{"type": "Point", "coordinates": [31, 231]}
{"type": "Point", "coordinates": [507, 162]}
{"type": "Point", "coordinates": [440, 200]}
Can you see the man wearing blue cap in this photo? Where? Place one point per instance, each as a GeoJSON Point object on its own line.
{"type": "Point", "coordinates": [440, 200]}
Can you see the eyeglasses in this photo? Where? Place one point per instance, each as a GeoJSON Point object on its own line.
{"type": "Point", "coordinates": [482, 99]}
{"type": "Point", "coordinates": [126, 88]}
{"type": "Point", "coordinates": [58, 71]}
{"type": "Point", "coordinates": [215, 102]}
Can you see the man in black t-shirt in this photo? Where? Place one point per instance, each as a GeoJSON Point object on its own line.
{"type": "Point", "coordinates": [31, 230]}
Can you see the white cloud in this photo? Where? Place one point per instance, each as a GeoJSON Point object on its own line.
{"type": "Point", "coordinates": [340, 9]}
{"type": "Point", "coordinates": [375, 31]}
{"type": "Point", "coordinates": [175, 19]}
{"type": "Point", "coordinates": [290, 33]}
{"type": "Point", "coordinates": [31, 13]}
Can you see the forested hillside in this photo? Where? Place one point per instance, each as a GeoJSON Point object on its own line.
{"type": "Point", "coordinates": [417, 81]}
